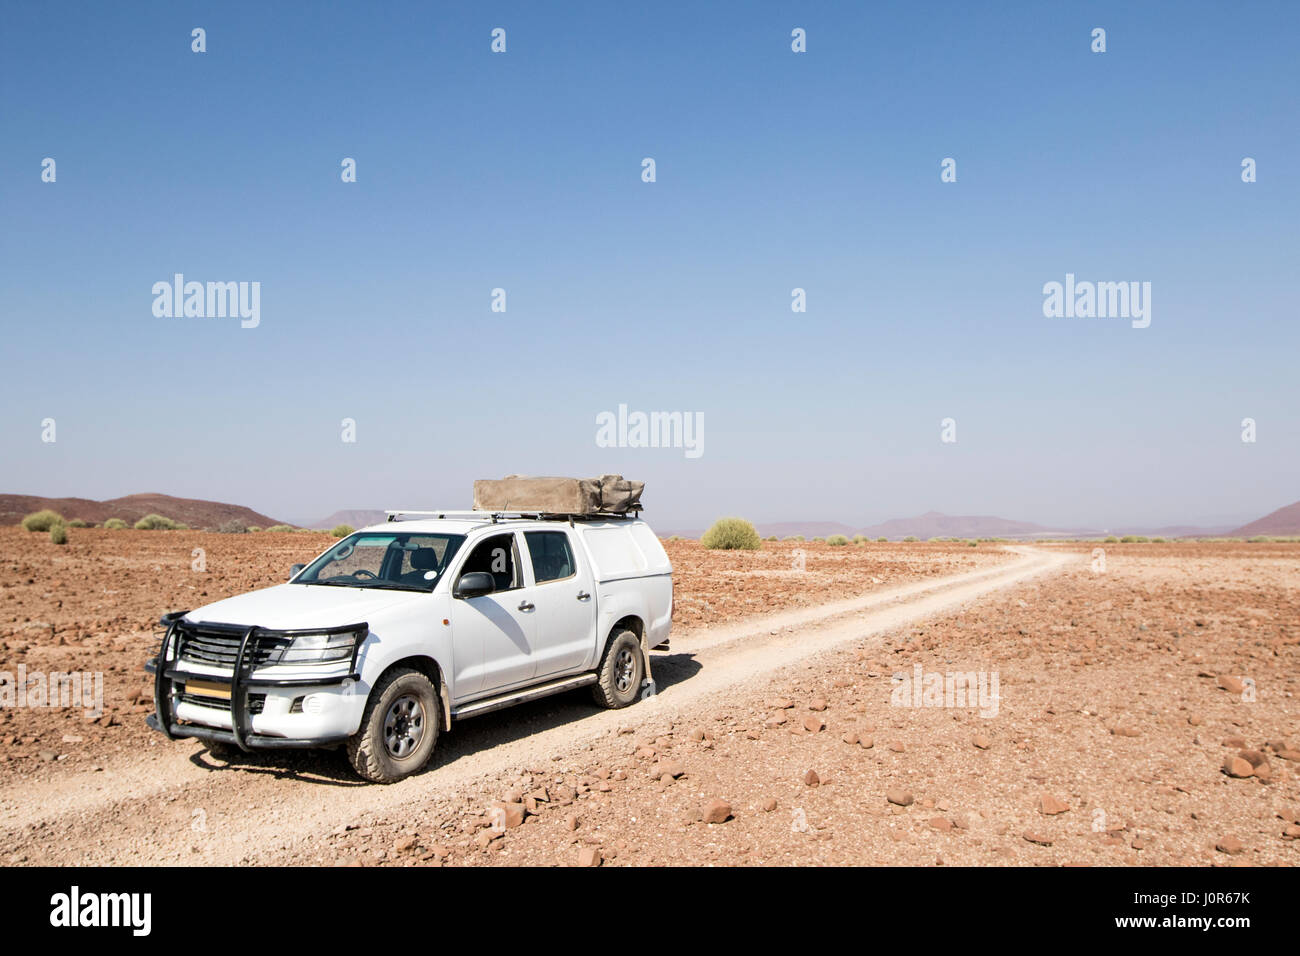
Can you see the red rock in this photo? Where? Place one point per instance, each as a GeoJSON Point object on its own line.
{"type": "Point", "coordinates": [813, 724]}
{"type": "Point", "coordinates": [811, 778]}
{"type": "Point", "coordinates": [850, 737]}
{"type": "Point", "coordinates": [866, 742]}
{"type": "Point", "coordinates": [982, 742]}
{"type": "Point", "coordinates": [941, 823]}
{"type": "Point", "coordinates": [1230, 845]}
{"type": "Point", "coordinates": [717, 811]}
{"type": "Point", "coordinates": [589, 856]}
{"type": "Point", "coordinates": [511, 815]}
{"type": "Point", "coordinates": [1291, 832]}
{"type": "Point", "coordinates": [1236, 767]}
{"type": "Point", "coordinates": [1234, 742]}
{"type": "Point", "coordinates": [776, 720]}
{"type": "Point", "coordinates": [1289, 754]}
{"type": "Point", "coordinates": [817, 703]}
{"type": "Point", "coordinates": [404, 844]}
{"type": "Point", "coordinates": [1050, 805]}
{"type": "Point", "coordinates": [900, 798]}
{"type": "Point", "coordinates": [1232, 685]}
{"type": "Point", "coordinates": [897, 747]}
{"type": "Point", "coordinates": [1038, 838]}
{"type": "Point", "coordinates": [769, 804]}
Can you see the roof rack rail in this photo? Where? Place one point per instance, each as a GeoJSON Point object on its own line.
{"type": "Point", "coordinates": [497, 516]}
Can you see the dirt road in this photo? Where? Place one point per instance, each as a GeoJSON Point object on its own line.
{"type": "Point", "coordinates": [172, 803]}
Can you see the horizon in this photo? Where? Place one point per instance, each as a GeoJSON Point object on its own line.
{"type": "Point", "coordinates": [475, 172]}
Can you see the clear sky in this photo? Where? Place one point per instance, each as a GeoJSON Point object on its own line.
{"type": "Point", "coordinates": [774, 170]}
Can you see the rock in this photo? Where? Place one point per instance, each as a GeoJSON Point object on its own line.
{"type": "Point", "coordinates": [900, 798]}
{"type": "Point", "coordinates": [941, 823]}
{"type": "Point", "coordinates": [1230, 845]}
{"type": "Point", "coordinates": [811, 779]}
{"type": "Point", "coordinates": [717, 811]}
{"type": "Point", "coordinates": [510, 815]}
{"type": "Point", "coordinates": [850, 737]}
{"type": "Point", "coordinates": [1195, 720]}
{"type": "Point", "coordinates": [485, 837]}
{"type": "Point", "coordinates": [1050, 805]}
{"type": "Point", "coordinates": [589, 856]}
{"type": "Point", "coordinates": [1125, 732]}
{"type": "Point", "coordinates": [404, 844]}
{"type": "Point", "coordinates": [1235, 742]}
{"type": "Point", "coordinates": [897, 747]}
{"type": "Point", "coordinates": [1038, 838]}
{"type": "Point", "coordinates": [769, 805]}
{"type": "Point", "coordinates": [667, 768]}
{"type": "Point", "coordinates": [813, 724]}
{"type": "Point", "coordinates": [817, 703]}
{"type": "Point", "coordinates": [1254, 757]}
{"type": "Point", "coordinates": [982, 742]}
{"type": "Point", "coordinates": [1236, 767]}
{"type": "Point", "coordinates": [782, 703]}
{"type": "Point", "coordinates": [776, 720]}
{"type": "Point", "coordinates": [866, 741]}
{"type": "Point", "coordinates": [697, 734]}
{"type": "Point", "coordinates": [1232, 685]}
{"type": "Point", "coordinates": [1289, 754]}
{"type": "Point", "coordinates": [1291, 832]}
{"type": "Point", "coordinates": [571, 822]}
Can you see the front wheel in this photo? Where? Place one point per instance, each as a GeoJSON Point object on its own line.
{"type": "Point", "coordinates": [398, 729]}
{"type": "Point", "coordinates": [621, 671]}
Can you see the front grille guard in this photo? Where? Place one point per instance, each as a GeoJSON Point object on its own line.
{"type": "Point", "coordinates": [241, 680]}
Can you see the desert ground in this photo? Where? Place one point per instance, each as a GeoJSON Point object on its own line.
{"type": "Point", "coordinates": [1136, 707]}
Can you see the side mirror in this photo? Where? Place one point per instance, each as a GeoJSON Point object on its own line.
{"type": "Point", "coordinates": [294, 569]}
{"type": "Point", "coordinates": [473, 584]}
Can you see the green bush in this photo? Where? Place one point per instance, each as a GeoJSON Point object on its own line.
{"type": "Point", "coordinates": [819, 539]}
{"type": "Point", "coordinates": [837, 540]}
{"type": "Point", "coordinates": [1111, 540]}
{"type": "Point", "coordinates": [972, 544]}
{"type": "Point", "coordinates": [78, 523]}
{"type": "Point", "coordinates": [59, 534]}
{"type": "Point", "coordinates": [770, 537]}
{"type": "Point", "coordinates": [1158, 541]}
{"type": "Point", "coordinates": [342, 530]}
{"type": "Point", "coordinates": [732, 534]}
{"type": "Point", "coordinates": [1257, 539]}
{"type": "Point", "coordinates": [793, 537]}
{"type": "Point", "coordinates": [910, 538]}
{"type": "Point", "coordinates": [882, 538]}
{"type": "Point", "coordinates": [233, 526]}
{"type": "Point", "coordinates": [278, 527]}
{"type": "Point", "coordinates": [156, 523]}
{"type": "Point", "coordinates": [860, 539]}
{"type": "Point", "coordinates": [114, 524]}
{"type": "Point", "coordinates": [253, 527]}
{"type": "Point", "coordinates": [42, 520]}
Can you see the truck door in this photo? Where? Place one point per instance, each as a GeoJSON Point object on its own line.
{"type": "Point", "coordinates": [493, 634]}
{"type": "Point", "coordinates": [566, 605]}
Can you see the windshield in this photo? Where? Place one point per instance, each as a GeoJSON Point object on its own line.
{"type": "Point", "coordinates": [371, 559]}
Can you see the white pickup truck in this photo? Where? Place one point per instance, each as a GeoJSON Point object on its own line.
{"type": "Point", "coordinates": [402, 628]}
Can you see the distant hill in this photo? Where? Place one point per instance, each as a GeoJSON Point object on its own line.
{"type": "Point", "coordinates": [191, 511]}
{"type": "Point", "coordinates": [934, 524]}
{"type": "Point", "coordinates": [353, 519]}
{"type": "Point", "coordinates": [1284, 521]}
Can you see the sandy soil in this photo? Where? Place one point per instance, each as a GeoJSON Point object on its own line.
{"type": "Point", "coordinates": [1115, 701]}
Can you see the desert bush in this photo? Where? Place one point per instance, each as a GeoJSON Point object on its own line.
{"type": "Point", "coordinates": [793, 537]}
{"type": "Point", "coordinates": [837, 540]}
{"type": "Point", "coordinates": [1111, 540]}
{"type": "Point", "coordinates": [78, 523]}
{"type": "Point", "coordinates": [254, 528]}
{"type": "Point", "coordinates": [278, 527]}
{"type": "Point", "coordinates": [1257, 539]}
{"type": "Point", "coordinates": [770, 537]}
{"type": "Point", "coordinates": [972, 544]}
{"type": "Point", "coordinates": [153, 522]}
{"type": "Point", "coordinates": [114, 524]}
{"type": "Point", "coordinates": [882, 538]}
{"type": "Point", "coordinates": [819, 539]}
{"type": "Point", "coordinates": [342, 530]}
{"type": "Point", "coordinates": [233, 526]}
{"type": "Point", "coordinates": [860, 539]}
{"type": "Point", "coordinates": [59, 533]}
{"type": "Point", "coordinates": [42, 520]}
{"type": "Point", "coordinates": [732, 534]}
{"type": "Point", "coordinates": [1158, 541]}
{"type": "Point", "coordinates": [910, 538]}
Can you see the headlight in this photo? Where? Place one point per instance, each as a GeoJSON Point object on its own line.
{"type": "Point", "coordinates": [320, 648]}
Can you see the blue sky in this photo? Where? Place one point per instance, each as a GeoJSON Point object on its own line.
{"type": "Point", "coordinates": [775, 170]}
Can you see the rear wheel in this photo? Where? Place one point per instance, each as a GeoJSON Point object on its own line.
{"type": "Point", "coordinates": [398, 729]}
{"type": "Point", "coordinates": [621, 671]}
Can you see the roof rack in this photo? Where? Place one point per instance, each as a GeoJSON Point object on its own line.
{"type": "Point", "coordinates": [496, 517]}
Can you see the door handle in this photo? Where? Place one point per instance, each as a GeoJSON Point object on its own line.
{"type": "Point", "coordinates": [583, 595]}
{"type": "Point", "coordinates": [525, 606]}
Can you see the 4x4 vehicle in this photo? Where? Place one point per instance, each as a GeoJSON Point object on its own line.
{"type": "Point", "coordinates": [401, 628]}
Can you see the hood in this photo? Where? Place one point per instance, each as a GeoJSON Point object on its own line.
{"type": "Point", "coordinates": [289, 606]}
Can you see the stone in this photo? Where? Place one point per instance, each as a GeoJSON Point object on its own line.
{"type": "Point", "coordinates": [589, 856]}
{"type": "Point", "coordinates": [813, 724]}
{"type": "Point", "coordinates": [1230, 845]}
{"type": "Point", "coordinates": [900, 798]}
{"type": "Point", "coordinates": [982, 742]}
{"type": "Point", "coordinates": [811, 779]}
{"type": "Point", "coordinates": [717, 811]}
{"type": "Point", "coordinates": [1234, 766]}
{"type": "Point", "coordinates": [1050, 805]}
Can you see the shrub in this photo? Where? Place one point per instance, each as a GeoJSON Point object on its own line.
{"type": "Point", "coordinates": [156, 523]}
{"type": "Point", "coordinates": [253, 527]}
{"type": "Point", "coordinates": [819, 539]}
{"type": "Point", "coordinates": [233, 526]}
{"type": "Point", "coordinates": [114, 524]}
{"type": "Point", "coordinates": [793, 537]}
{"type": "Point", "coordinates": [860, 539]}
{"type": "Point", "coordinates": [278, 527]}
{"type": "Point", "coordinates": [1257, 539]}
{"type": "Point", "coordinates": [972, 544]}
{"type": "Point", "coordinates": [732, 534]}
{"type": "Point", "coordinates": [837, 540]}
{"type": "Point", "coordinates": [770, 537]}
{"type": "Point", "coordinates": [78, 523]}
{"type": "Point", "coordinates": [59, 533]}
{"type": "Point", "coordinates": [910, 538]}
{"type": "Point", "coordinates": [1158, 541]}
{"type": "Point", "coordinates": [342, 530]}
{"type": "Point", "coordinates": [1111, 540]}
{"type": "Point", "coordinates": [882, 538]}
{"type": "Point", "coordinates": [42, 520]}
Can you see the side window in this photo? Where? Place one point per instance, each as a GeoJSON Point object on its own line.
{"type": "Point", "coordinates": [496, 556]}
{"type": "Point", "coordinates": [551, 554]}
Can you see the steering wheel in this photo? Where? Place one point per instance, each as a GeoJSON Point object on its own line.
{"type": "Point", "coordinates": [364, 571]}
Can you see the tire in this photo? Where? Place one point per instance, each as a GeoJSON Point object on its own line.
{"type": "Point", "coordinates": [621, 671]}
{"type": "Point", "coordinates": [398, 728]}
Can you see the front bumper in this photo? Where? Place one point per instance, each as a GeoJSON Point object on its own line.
{"type": "Point", "coordinates": [258, 713]}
